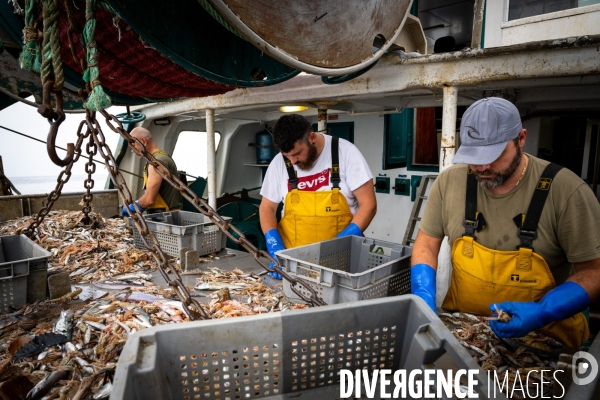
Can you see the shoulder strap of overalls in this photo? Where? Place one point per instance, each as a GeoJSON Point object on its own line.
{"type": "Point", "coordinates": [528, 229]}
{"type": "Point", "coordinates": [291, 172]}
{"type": "Point", "coordinates": [473, 220]}
{"type": "Point", "coordinates": [335, 163]}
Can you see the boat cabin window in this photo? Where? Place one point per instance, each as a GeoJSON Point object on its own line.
{"type": "Point", "coordinates": [412, 138]}
{"type": "Point", "coordinates": [518, 9]}
{"type": "Point", "coordinates": [190, 152]}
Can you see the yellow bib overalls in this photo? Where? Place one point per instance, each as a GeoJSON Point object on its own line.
{"type": "Point", "coordinates": [482, 276]}
{"type": "Point", "coordinates": [311, 217]}
{"type": "Point", "coordinates": [159, 202]}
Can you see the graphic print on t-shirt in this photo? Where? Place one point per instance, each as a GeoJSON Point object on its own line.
{"type": "Point", "coordinates": [312, 183]}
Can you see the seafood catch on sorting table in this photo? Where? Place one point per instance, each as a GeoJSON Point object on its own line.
{"type": "Point", "coordinates": [88, 255]}
{"type": "Point", "coordinates": [67, 348]}
{"type": "Point", "coordinates": [512, 359]}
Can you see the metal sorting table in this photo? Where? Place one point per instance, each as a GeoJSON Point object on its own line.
{"type": "Point", "coordinates": [240, 260]}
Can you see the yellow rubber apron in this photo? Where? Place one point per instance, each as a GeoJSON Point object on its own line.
{"type": "Point", "coordinates": [311, 217]}
{"type": "Point", "coordinates": [482, 276]}
{"type": "Point", "coordinates": [159, 202]}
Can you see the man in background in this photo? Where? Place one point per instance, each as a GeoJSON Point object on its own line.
{"type": "Point", "coordinates": [160, 196]}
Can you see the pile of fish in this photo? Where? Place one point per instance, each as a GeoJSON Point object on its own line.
{"type": "Point", "coordinates": [240, 294]}
{"type": "Point", "coordinates": [67, 348]}
{"type": "Point", "coordinates": [510, 359]}
{"type": "Point", "coordinates": [88, 255]}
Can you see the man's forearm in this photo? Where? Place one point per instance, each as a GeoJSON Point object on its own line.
{"type": "Point", "coordinates": [422, 256]}
{"type": "Point", "coordinates": [267, 213]}
{"type": "Point", "coordinates": [146, 200]}
{"type": "Point", "coordinates": [268, 222]}
{"type": "Point", "coordinates": [426, 250]}
{"type": "Point", "coordinates": [363, 217]}
{"type": "Point", "coordinates": [588, 277]}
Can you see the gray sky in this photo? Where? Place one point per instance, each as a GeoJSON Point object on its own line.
{"type": "Point", "coordinates": [23, 157]}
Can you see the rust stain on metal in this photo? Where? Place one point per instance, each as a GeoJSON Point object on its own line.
{"type": "Point", "coordinates": [447, 142]}
{"type": "Point", "coordinates": [322, 115]}
{"type": "Point", "coordinates": [446, 153]}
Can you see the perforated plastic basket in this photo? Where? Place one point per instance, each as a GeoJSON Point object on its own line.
{"type": "Point", "coordinates": [290, 355]}
{"type": "Point", "coordinates": [23, 270]}
{"type": "Point", "coordinates": [178, 229]}
{"type": "Point", "coordinates": [348, 269]}
{"type": "Point", "coordinates": [352, 261]}
{"type": "Point", "coordinates": [392, 285]}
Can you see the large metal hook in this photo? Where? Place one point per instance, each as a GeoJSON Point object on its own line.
{"type": "Point", "coordinates": [55, 118]}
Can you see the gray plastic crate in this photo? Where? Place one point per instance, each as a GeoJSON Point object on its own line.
{"type": "Point", "coordinates": [289, 355]}
{"type": "Point", "coordinates": [392, 285]}
{"type": "Point", "coordinates": [23, 270]}
{"type": "Point", "coordinates": [351, 261]}
{"type": "Point", "coordinates": [178, 229]}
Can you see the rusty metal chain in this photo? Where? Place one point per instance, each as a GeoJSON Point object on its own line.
{"type": "Point", "coordinates": [202, 207]}
{"type": "Point", "coordinates": [62, 179]}
{"type": "Point", "coordinates": [90, 168]}
{"type": "Point", "coordinates": [191, 306]}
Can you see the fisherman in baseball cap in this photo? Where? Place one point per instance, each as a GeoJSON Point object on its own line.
{"type": "Point", "coordinates": [524, 233]}
{"type": "Point", "coordinates": [485, 129]}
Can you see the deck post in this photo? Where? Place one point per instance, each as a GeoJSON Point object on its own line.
{"type": "Point", "coordinates": [447, 150]}
{"type": "Point", "coordinates": [478, 16]}
{"type": "Point", "coordinates": [211, 158]}
{"type": "Point", "coordinates": [322, 117]}
{"type": "Point", "coordinates": [448, 146]}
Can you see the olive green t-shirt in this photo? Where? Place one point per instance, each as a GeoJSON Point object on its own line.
{"type": "Point", "coordinates": [171, 196]}
{"type": "Point", "coordinates": [568, 230]}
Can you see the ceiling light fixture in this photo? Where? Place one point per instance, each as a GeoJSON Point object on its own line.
{"type": "Point", "coordinates": [288, 109]}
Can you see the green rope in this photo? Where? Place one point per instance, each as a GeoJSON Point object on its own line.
{"type": "Point", "coordinates": [213, 13]}
{"type": "Point", "coordinates": [51, 58]}
{"type": "Point", "coordinates": [98, 100]}
{"type": "Point", "coordinates": [30, 58]}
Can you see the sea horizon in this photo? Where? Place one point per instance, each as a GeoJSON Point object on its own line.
{"type": "Point", "coordinates": [46, 184]}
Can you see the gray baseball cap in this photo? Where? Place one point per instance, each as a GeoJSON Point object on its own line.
{"type": "Point", "coordinates": [485, 129]}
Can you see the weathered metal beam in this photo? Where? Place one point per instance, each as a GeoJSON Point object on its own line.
{"type": "Point", "coordinates": [510, 66]}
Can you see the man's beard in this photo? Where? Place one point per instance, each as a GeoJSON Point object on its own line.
{"type": "Point", "coordinates": [310, 158]}
{"type": "Point", "coordinates": [499, 177]}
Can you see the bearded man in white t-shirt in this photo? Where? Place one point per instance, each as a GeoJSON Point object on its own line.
{"type": "Point", "coordinates": [325, 183]}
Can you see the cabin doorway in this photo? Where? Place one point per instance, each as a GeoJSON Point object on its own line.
{"type": "Point", "coordinates": [342, 130]}
{"type": "Point", "coordinates": [573, 142]}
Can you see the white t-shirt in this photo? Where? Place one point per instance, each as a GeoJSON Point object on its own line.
{"type": "Point", "coordinates": [354, 172]}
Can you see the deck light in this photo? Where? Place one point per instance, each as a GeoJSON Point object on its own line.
{"type": "Point", "coordinates": [288, 109]}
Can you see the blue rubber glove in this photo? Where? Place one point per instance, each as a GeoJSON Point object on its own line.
{"type": "Point", "coordinates": [351, 229]}
{"type": "Point", "coordinates": [422, 283]}
{"type": "Point", "coordinates": [274, 244]}
{"type": "Point", "coordinates": [131, 208]}
{"type": "Point", "coordinates": [561, 302]}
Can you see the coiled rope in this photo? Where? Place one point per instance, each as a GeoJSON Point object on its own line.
{"type": "Point", "coordinates": [97, 100]}
{"type": "Point", "coordinates": [30, 58]}
{"type": "Point", "coordinates": [51, 59]}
